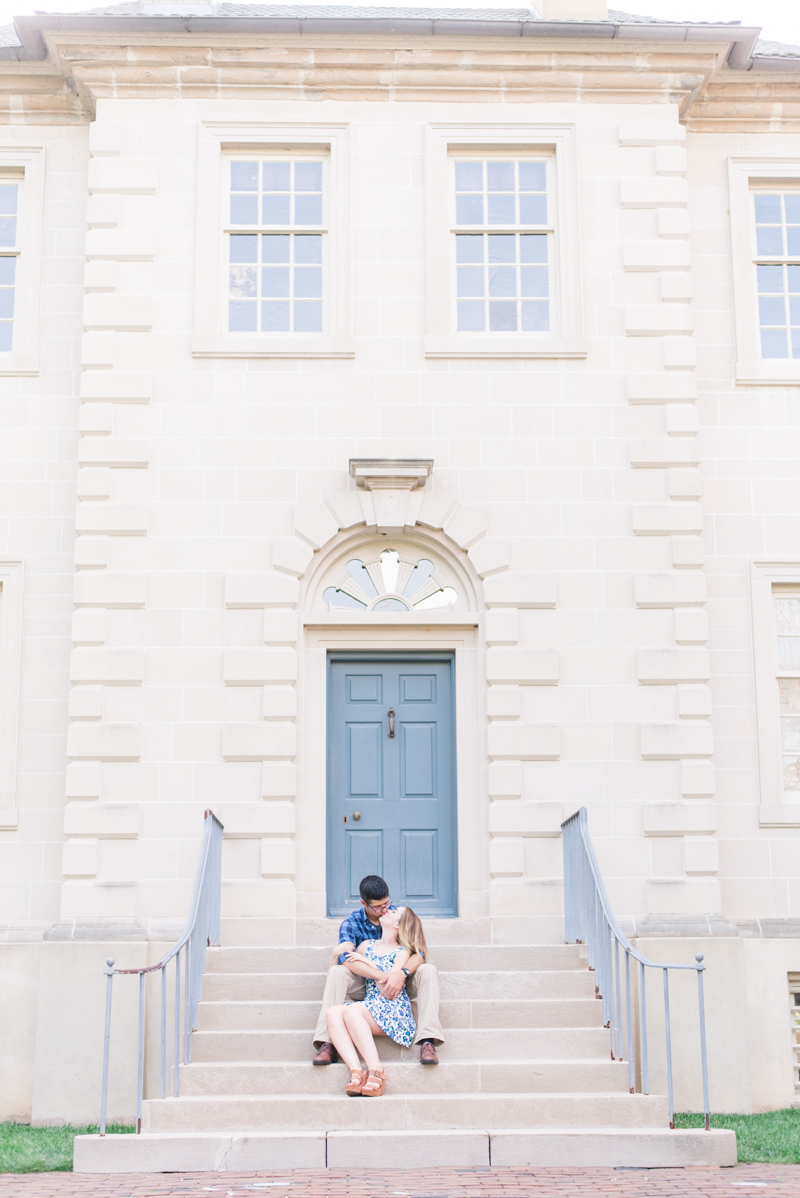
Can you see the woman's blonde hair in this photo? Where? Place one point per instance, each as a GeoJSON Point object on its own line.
{"type": "Point", "coordinates": [410, 934]}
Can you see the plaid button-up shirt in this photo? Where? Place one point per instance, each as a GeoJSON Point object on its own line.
{"type": "Point", "coordinates": [357, 928]}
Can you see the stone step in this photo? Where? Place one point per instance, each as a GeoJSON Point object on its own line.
{"type": "Point", "coordinates": [407, 1077]}
{"type": "Point", "coordinates": [462, 1044]}
{"type": "Point", "coordinates": [496, 985]}
{"type": "Point", "coordinates": [256, 930]}
{"type": "Point", "coordinates": [226, 1016]}
{"type": "Point", "coordinates": [478, 957]}
{"type": "Point", "coordinates": [409, 1112]}
{"type": "Point", "coordinates": [632, 1148]}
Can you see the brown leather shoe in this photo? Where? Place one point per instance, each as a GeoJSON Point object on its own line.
{"type": "Point", "coordinates": [427, 1055]}
{"type": "Point", "coordinates": [327, 1055]}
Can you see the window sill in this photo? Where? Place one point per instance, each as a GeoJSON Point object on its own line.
{"type": "Point", "coordinates": [457, 345]}
{"type": "Point", "coordinates": [783, 815]}
{"type": "Point", "coordinates": [18, 364]}
{"type": "Point", "coordinates": [777, 372]}
{"type": "Point", "coordinates": [298, 346]}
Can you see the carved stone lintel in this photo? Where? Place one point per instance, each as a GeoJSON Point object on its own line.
{"type": "Point", "coordinates": [391, 482]}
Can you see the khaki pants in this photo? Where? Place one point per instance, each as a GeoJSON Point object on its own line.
{"type": "Point", "coordinates": [423, 985]}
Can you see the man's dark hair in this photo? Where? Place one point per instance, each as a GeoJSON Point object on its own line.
{"type": "Point", "coordinates": [373, 888]}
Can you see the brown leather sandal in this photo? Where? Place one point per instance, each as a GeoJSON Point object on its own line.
{"type": "Point", "coordinates": [373, 1086]}
{"type": "Point", "coordinates": [354, 1086]}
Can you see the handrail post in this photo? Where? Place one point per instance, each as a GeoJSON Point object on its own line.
{"type": "Point", "coordinates": [177, 1027]}
{"type": "Point", "coordinates": [643, 1005]}
{"type": "Point", "coordinates": [669, 1049]}
{"type": "Point", "coordinates": [140, 1062]}
{"type": "Point", "coordinates": [163, 1031]}
{"type": "Point", "coordinates": [703, 1055]}
{"type": "Point", "coordinates": [631, 1086]}
{"type": "Point", "coordinates": [109, 972]}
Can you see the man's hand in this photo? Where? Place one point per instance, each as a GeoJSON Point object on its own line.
{"type": "Point", "coordinates": [394, 983]}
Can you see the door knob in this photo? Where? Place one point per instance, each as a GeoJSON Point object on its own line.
{"type": "Point", "coordinates": [356, 815]}
{"type": "Point", "coordinates": [390, 714]}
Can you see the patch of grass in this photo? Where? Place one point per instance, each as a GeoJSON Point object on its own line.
{"type": "Point", "coordinates": [25, 1149]}
{"type": "Point", "coordinates": [770, 1138]}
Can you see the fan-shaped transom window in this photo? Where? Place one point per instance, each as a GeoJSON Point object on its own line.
{"type": "Point", "coordinates": [390, 583]}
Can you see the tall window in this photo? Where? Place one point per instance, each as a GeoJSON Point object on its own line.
{"type": "Point", "coordinates": [787, 616]}
{"type": "Point", "coordinates": [503, 245]}
{"type": "Point", "coordinates": [275, 238]}
{"type": "Point", "coordinates": [9, 206]}
{"type": "Point", "coordinates": [777, 218]}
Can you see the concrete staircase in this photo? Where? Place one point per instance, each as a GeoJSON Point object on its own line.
{"type": "Point", "coordinates": [525, 1075]}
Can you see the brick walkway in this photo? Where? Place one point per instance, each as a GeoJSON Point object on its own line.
{"type": "Point", "coordinates": [745, 1181]}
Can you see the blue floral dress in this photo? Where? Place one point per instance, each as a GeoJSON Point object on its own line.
{"type": "Point", "coordinates": [392, 1017]}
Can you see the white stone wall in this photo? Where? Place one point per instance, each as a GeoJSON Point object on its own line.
{"type": "Point", "coordinates": [640, 479]}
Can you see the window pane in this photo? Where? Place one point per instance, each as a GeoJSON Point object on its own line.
{"type": "Point", "coordinates": [770, 278]}
{"type": "Point", "coordinates": [469, 210]}
{"type": "Point", "coordinates": [502, 317]}
{"type": "Point", "coordinates": [534, 281]}
{"type": "Point", "coordinates": [503, 281]}
{"type": "Point", "coordinates": [7, 271]}
{"type": "Point", "coordinates": [244, 247]}
{"type": "Point", "coordinates": [469, 247]}
{"type": "Point", "coordinates": [790, 734]}
{"type": "Point", "coordinates": [773, 343]}
{"type": "Point", "coordinates": [308, 210]}
{"type": "Point", "coordinates": [275, 210]}
{"type": "Point", "coordinates": [244, 176]}
{"type": "Point", "coordinates": [276, 176]}
{"type": "Point", "coordinates": [275, 316]}
{"type": "Point", "coordinates": [793, 240]}
{"type": "Point", "coordinates": [308, 176]}
{"type": "Point", "coordinates": [307, 317]}
{"type": "Point", "coordinates": [533, 176]}
{"type": "Point", "coordinates": [275, 281]}
{"type": "Point", "coordinates": [789, 693]}
{"type": "Point", "coordinates": [242, 316]}
{"type": "Point", "coordinates": [501, 210]}
{"type": "Point", "coordinates": [6, 328]}
{"type": "Point", "coordinates": [8, 230]}
{"type": "Point", "coordinates": [469, 176]}
{"type": "Point", "coordinates": [275, 247]}
{"type": "Point", "coordinates": [502, 247]}
{"type": "Point", "coordinates": [532, 210]}
{"type": "Point", "coordinates": [470, 280]}
{"type": "Point", "coordinates": [771, 310]}
{"type": "Point", "coordinates": [535, 316]}
{"type": "Point", "coordinates": [308, 249]}
{"type": "Point", "coordinates": [8, 198]}
{"type": "Point", "coordinates": [793, 278]}
{"type": "Point", "coordinates": [499, 176]}
{"type": "Point", "coordinates": [789, 653]}
{"type": "Point", "coordinates": [470, 317]}
{"type": "Point", "coordinates": [768, 209]}
{"type": "Point", "coordinates": [794, 337]}
{"type": "Point", "coordinates": [243, 283]}
{"type": "Point", "coordinates": [533, 247]}
{"type": "Point", "coordinates": [244, 209]}
{"type": "Point", "coordinates": [791, 773]}
{"type": "Point", "coordinates": [769, 241]}
{"type": "Point", "coordinates": [308, 282]}
{"type": "Point", "coordinates": [787, 616]}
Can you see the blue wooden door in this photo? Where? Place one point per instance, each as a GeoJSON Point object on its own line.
{"type": "Point", "coordinates": [391, 780]}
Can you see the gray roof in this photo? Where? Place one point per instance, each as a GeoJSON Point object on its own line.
{"type": "Point", "coordinates": [200, 17]}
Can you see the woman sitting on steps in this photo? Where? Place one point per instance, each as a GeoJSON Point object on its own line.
{"type": "Point", "coordinates": [352, 1026]}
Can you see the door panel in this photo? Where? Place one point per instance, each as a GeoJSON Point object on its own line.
{"type": "Point", "coordinates": [391, 799]}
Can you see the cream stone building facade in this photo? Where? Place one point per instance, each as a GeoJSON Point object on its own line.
{"type": "Point", "coordinates": [469, 336]}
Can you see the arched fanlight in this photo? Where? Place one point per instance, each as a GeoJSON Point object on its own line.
{"type": "Point", "coordinates": [389, 583]}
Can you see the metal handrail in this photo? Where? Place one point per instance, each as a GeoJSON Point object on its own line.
{"type": "Point", "coordinates": [589, 920]}
{"type": "Point", "coordinates": [202, 930]}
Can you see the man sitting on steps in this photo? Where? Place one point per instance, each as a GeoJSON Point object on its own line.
{"type": "Point", "coordinates": [420, 977]}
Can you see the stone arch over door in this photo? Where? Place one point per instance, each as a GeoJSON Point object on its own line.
{"type": "Point", "coordinates": [482, 626]}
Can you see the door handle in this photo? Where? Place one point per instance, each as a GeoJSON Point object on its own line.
{"type": "Point", "coordinates": [356, 815]}
{"type": "Point", "coordinates": [390, 714]}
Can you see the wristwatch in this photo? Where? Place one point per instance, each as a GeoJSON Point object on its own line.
{"type": "Point", "coordinates": [407, 972]}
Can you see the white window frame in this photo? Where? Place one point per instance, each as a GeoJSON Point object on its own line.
{"type": "Point", "coordinates": [211, 337]}
{"type": "Point", "coordinates": [778, 808]}
{"type": "Point", "coordinates": [781, 172]}
{"type": "Point", "coordinates": [558, 142]}
{"type": "Point", "coordinates": [27, 163]}
{"type": "Point", "coordinates": [12, 580]}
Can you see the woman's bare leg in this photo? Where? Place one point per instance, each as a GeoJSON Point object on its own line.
{"type": "Point", "coordinates": [362, 1028]}
{"type": "Point", "coordinates": [340, 1037]}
